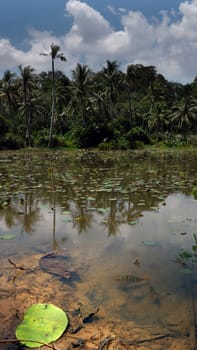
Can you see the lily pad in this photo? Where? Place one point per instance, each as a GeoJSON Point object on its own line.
{"type": "Point", "coordinates": [133, 222]}
{"type": "Point", "coordinates": [187, 271]}
{"type": "Point", "coordinates": [43, 323]}
{"type": "Point", "coordinates": [6, 237]}
{"type": "Point", "coordinates": [149, 243]}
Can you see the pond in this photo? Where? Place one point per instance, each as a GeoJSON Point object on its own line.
{"type": "Point", "coordinates": [120, 218]}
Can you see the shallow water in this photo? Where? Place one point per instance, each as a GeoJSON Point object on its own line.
{"type": "Point", "coordinates": [122, 217]}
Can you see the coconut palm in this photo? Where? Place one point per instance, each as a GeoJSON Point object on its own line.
{"type": "Point", "coordinates": [8, 94]}
{"type": "Point", "coordinates": [111, 75]}
{"type": "Point", "coordinates": [184, 115]}
{"type": "Point", "coordinates": [26, 84]}
{"type": "Point", "coordinates": [54, 54]}
{"type": "Point", "coordinates": [138, 78]}
{"type": "Point", "coordinates": [80, 90]}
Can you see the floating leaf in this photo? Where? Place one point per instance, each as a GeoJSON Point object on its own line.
{"type": "Point", "coordinates": [4, 204]}
{"type": "Point", "coordinates": [149, 243]}
{"type": "Point", "coordinates": [133, 222]}
{"type": "Point", "coordinates": [6, 237]}
{"type": "Point", "coordinates": [81, 218]}
{"type": "Point", "coordinates": [102, 210]}
{"type": "Point", "coordinates": [91, 198]}
{"type": "Point", "coordinates": [186, 271]}
{"type": "Point", "coordinates": [43, 323]}
{"type": "Point", "coordinates": [68, 220]}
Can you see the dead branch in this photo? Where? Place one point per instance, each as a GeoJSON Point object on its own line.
{"type": "Point", "coordinates": [21, 267]}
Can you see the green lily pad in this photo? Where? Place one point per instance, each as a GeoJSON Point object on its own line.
{"type": "Point", "coordinates": [102, 210]}
{"type": "Point", "coordinates": [68, 220]}
{"type": "Point", "coordinates": [149, 243]}
{"type": "Point", "coordinates": [43, 323]}
{"type": "Point", "coordinates": [6, 237]}
{"type": "Point", "coordinates": [186, 271]}
{"type": "Point", "coordinates": [133, 222]}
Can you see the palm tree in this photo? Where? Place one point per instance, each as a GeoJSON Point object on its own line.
{"type": "Point", "coordinates": [27, 82]}
{"type": "Point", "coordinates": [8, 93]}
{"type": "Point", "coordinates": [184, 115]}
{"type": "Point", "coordinates": [80, 89]}
{"type": "Point", "coordinates": [138, 77]}
{"type": "Point", "coordinates": [54, 53]}
{"type": "Point", "coordinates": [111, 75]}
{"type": "Point", "coordinates": [159, 120]}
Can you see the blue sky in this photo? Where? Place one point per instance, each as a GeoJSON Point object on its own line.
{"type": "Point", "coordinates": [162, 33]}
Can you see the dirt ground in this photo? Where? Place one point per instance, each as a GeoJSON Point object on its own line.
{"type": "Point", "coordinates": [23, 283]}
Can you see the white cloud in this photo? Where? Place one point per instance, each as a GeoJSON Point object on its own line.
{"type": "Point", "coordinates": [112, 10]}
{"type": "Point", "coordinates": [169, 43]}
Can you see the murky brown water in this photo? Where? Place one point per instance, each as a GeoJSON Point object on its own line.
{"type": "Point", "coordinates": [122, 218]}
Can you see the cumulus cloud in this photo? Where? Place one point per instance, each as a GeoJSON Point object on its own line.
{"type": "Point", "coordinates": [169, 43]}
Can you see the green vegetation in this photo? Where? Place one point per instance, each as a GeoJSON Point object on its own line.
{"type": "Point", "coordinates": [109, 109]}
{"type": "Point", "coordinates": [188, 258]}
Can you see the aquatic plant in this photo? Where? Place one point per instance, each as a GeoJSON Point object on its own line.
{"type": "Point", "coordinates": [194, 192]}
{"type": "Point", "coordinates": [42, 324]}
{"type": "Point", "coordinates": [188, 258]}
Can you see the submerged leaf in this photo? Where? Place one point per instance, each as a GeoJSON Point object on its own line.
{"type": "Point", "coordinates": [43, 323]}
{"type": "Point", "coordinates": [56, 264]}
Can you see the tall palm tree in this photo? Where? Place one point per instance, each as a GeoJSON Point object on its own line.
{"type": "Point", "coordinates": [138, 77]}
{"type": "Point", "coordinates": [26, 82]}
{"type": "Point", "coordinates": [80, 88]}
{"type": "Point", "coordinates": [8, 94]}
{"type": "Point", "coordinates": [111, 76]}
{"type": "Point", "coordinates": [54, 54]}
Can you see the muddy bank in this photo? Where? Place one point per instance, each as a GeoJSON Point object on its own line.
{"type": "Point", "coordinates": [24, 283]}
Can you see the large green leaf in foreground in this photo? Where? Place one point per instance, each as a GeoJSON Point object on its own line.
{"type": "Point", "coordinates": [43, 323]}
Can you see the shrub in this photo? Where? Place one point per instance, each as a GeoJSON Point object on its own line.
{"type": "Point", "coordinates": [137, 134]}
{"type": "Point", "coordinates": [175, 141]}
{"type": "Point", "coordinates": [11, 141]}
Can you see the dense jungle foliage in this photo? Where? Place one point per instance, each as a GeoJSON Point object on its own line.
{"type": "Point", "coordinates": [109, 108]}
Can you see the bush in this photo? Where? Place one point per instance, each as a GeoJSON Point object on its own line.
{"type": "Point", "coordinates": [90, 136]}
{"type": "Point", "coordinates": [107, 145]}
{"type": "Point", "coordinates": [41, 138]}
{"type": "Point", "coordinates": [137, 134]}
{"type": "Point", "coordinates": [11, 141]}
{"type": "Point", "coordinates": [175, 141]}
{"type": "Point", "coordinates": [3, 125]}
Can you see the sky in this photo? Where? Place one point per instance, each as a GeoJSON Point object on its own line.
{"type": "Point", "coordinates": [162, 33]}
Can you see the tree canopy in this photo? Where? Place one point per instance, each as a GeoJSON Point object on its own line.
{"type": "Point", "coordinates": [107, 108]}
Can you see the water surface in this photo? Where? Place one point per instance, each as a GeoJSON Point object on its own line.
{"type": "Point", "coordinates": [122, 217]}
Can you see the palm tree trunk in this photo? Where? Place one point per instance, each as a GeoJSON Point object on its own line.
{"type": "Point", "coordinates": [52, 104]}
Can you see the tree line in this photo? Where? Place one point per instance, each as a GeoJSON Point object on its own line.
{"type": "Point", "coordinates": [108, 108]}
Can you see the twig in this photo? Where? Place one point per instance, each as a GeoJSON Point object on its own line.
{"type": "Point", "coordinates": [20, 267]}
{"type": "Point", "coordinates": [105, 342]}
{"type": "Point", "coordinates": [139, 341]}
